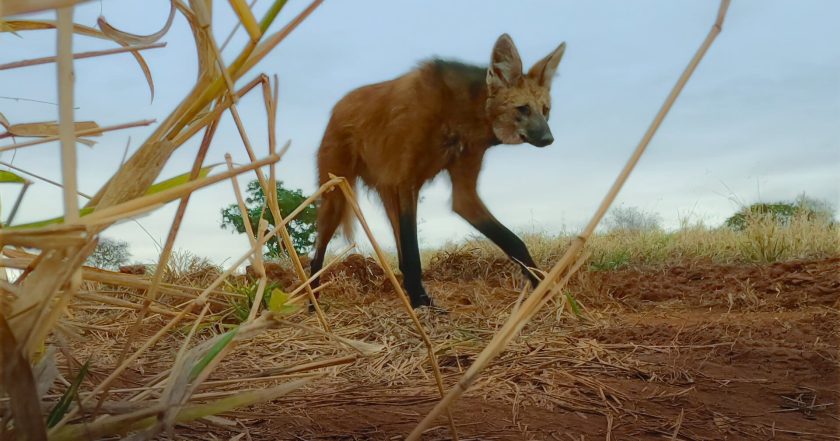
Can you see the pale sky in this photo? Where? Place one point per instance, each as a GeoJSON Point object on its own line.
{"type": "Point", "coordinates": [760, 120]}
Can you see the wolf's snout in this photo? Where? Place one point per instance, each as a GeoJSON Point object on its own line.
{"type": "Point", "coordinates": [544, 140]}
{"type": "Point", "coordinates": [540, 136]}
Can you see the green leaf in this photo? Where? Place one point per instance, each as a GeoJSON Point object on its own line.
{"type": "Point", "coordinates": [574, 304]}
{"type": "Point", "coordinates": [278, 302]}
{"type": "Point", "coordinates": [156, 188]}
{"type": "Point", "coordinates": [271, 14]}
{"type": "Point", "coordinates": [9, 177]}
{"type": "Point", "coordinates": [214, 351]}
{"type": "Point", "coordinates": [63, 404]}
{"type": "Point", "coordinates": [177, 180]}
{"type": "Point", "coordinates": [56, 220]}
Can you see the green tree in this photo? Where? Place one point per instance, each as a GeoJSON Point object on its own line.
{"type": "Point", "coordinates": [783, 212]}
{"type": "Point", "coordinates": [109, 254]}
{"type": "Point", "coordinates": [301, 228]}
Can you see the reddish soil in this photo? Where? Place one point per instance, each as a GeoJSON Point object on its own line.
{"type": "Point", "coordinates": [364, 271]}
{"type": "Point", "coordinates": [685, 352]}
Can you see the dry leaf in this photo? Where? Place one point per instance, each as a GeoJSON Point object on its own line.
{"type": "Point", "coordinates": [49, 128]}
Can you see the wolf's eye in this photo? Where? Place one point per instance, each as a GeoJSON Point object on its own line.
{"type": "Point", "coordinates": [524, 110]}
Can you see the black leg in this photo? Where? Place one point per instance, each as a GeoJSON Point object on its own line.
{"type": "Point", "coordinates": [329, 217]}
{"type": "Point", "coordinates": [410, 253]}
{"type": "Point", "coordinates": [315, 266]}
{"type": "Point", "coordinates": [510, 243]}
{"type": "Point", "coordinates": [467, 203]}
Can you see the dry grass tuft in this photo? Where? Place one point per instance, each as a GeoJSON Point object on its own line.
{"type": "Point", "coordinates": [363, 271]}
{"type": "Point", "coordinates": [469, 263]}
{"type": "Point", "coordinates": [185, 268]}
{"type": "Point", "coordinates": [764, 240]}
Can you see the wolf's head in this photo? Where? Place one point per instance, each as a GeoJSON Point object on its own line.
{"type": "Point", "coordinates": [518, 104]}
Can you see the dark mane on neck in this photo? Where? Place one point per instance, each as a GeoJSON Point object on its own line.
{"type": "Point", "coordinates": [457, 75]}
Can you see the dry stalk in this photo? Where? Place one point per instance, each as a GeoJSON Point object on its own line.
{"type": "Point", "coordinates": [318, 273]}
{"type": "Point", "coordinates": [204, 92]}
{"type": "Point", "coordinates": [271, 199]}
{"type": "Point", "coordinates": [123, 196]}
{"type": "Point", "coordinates": [247, 19]}
{"type": "Point", "coordinates": [235, 28]}
{"type": "Point", "coordinates": [16, 7]}
{"type": "Point", "coordinates": [147, 203]}
{"type": "Point", "coordinates": [558, 287]}
{"type": "Point", "coordinates": [259, 267]}
{"type": "Point", "coordinates": [66, 127]}
{"type": "Point", "coordinates": [268, 44]}
{"type": "Point", "coordinates": [258, 296]}
{"type": "Point", "coordinates": [202, 121]}
{"type": "Point", "coordinates": [80, 55]}
{"type": "Point", "coordinates": [203, 15]}
{"type": "Point", "coordinates": [166, 252]}
{"type": "Point", "coordinates": [258, 263]}
{"type": "Point", "coordinates": [47, 238]}
{"type": "Point", "coordinates": [125, 304]}
{"type": "Point", "coordinates": [273, 203]}
{"type": "Point", "coordinates": [200, 300]}
{"type": "Point", "coordinates": [516, 322]}
{"type": "Point", "coordinates": [177, 381]}
{"type": "Point", "coordinates": [79, 133]}
{"type": "Point", "coordinates": [383, 262]}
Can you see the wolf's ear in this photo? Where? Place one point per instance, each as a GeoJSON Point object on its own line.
{"type": "Point", "coordinates": [505, 65]}
{"type": "Point", "coordinates": [544, 70]}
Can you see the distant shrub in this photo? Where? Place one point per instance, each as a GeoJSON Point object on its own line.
{"type": "Point", "coordinates": [109, 254]}
{"type": "Point", "coordinates": [632, 219]}
{"type": "Point", "coordinates": [782, 213]}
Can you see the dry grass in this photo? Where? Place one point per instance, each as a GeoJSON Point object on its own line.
{"type": "Point", "coordinates": [764, 240]}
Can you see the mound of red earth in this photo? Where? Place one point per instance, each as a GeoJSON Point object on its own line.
{"type": "Point", "coordinates": [137, 270]}
{"type": "Point", "coordinates": [278, 273]}
{"type": "Point", "coordinates": [464, 265]}
{"type": "Point", "coordinates": [364, 271]}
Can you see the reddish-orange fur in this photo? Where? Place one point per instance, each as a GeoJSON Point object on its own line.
{"type": "Point", "coordinates": [397, 135]}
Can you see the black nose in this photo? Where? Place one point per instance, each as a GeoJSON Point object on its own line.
{"type": "Point", "coordinates": [543, 140]}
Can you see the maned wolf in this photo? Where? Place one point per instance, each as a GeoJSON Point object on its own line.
{"type": "Point", "coordinates": [443, 115]}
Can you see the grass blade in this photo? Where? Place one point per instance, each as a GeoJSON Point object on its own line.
{"type": "Point", "coordinates": [56, 220]}
{"type": "Point", "coordinates": [178, 180]}
{"type": "Point", "coordinates": [121, 424]}
{"type": "Point", "coordinates": [574, 304]}
{"type": "Point", "coordinates": [64, 402]}
{"type": "Point", "coordinates": [212, 353]}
